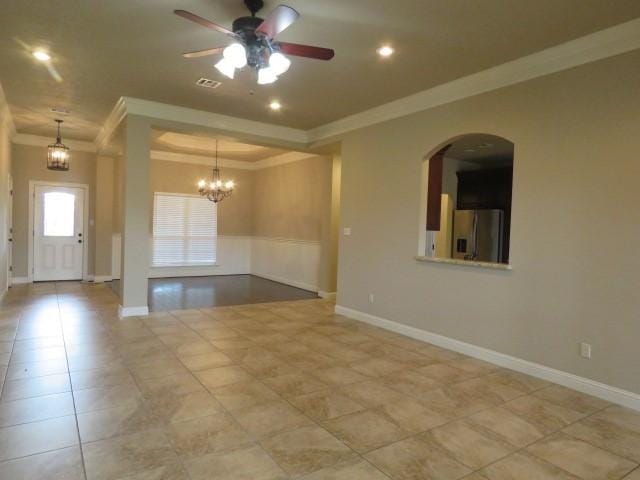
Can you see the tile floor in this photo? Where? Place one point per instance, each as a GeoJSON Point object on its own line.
{"type": "Point", "coordinates": [283, 390]}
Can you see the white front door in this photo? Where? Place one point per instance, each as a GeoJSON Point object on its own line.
{"type": "Point", "coordinates": [58, 231]}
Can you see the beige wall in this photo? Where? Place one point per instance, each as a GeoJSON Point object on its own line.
{"type": "Point", "coordinates": [104, 209]}
{"type": "Point", "coordinates": [30, 163]}
{"type": "Point", "coordinates": [575, 223]}
{"type": "Point", "coordinates": [234, 214]}
{"type": "Point", "coordinates": [290, 200]}
{"type": "Point", "coordinates": [5, 165]}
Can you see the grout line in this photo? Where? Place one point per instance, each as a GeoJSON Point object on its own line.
{"type": "Point", "coordinates": [73, 398]}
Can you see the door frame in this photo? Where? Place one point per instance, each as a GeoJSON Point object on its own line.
{"type": "Point", "coordinates": [30, 239]}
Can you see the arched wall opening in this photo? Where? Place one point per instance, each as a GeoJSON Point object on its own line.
{"type": "Point", "coordinates": [466, 191]}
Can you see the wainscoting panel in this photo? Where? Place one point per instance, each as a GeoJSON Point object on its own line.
{"type": "Point", "coordinates": [294, 262]}
{"type": "Point", "coordinates": [285, 260]}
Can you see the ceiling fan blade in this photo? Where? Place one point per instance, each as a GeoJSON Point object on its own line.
{"type": "Point", "coordinates": [277, 21]}
{"type": "Point", "coordinates": [204, 22]}
{"type": "Point", "coordinates": [307, 51]}
{"type": "Point", "coordinates": [203, 53]}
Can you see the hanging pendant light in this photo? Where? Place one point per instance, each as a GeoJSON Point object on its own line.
{"type": "Point", "coordinates": [216, 190]}
{"type": "Point", "coordinates": [58, 154]}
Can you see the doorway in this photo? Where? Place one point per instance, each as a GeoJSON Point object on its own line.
{"type": "Point", "coordinates": [58, 250]}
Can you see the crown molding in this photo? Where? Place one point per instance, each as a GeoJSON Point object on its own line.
{"type": "Point", "coordinates": [5, 114]}
{"type": "Point", "coordinates": [589, 48]}
{"type": "Point", "coordinates": [200, 160]}
{"type": "Point", "coordinates": [282, 159]}
{"type": "Point", "coordinates": [163, 111]}
{"type": "Point", "coordinates": [40, 141]}
{"type": "Point", "coordinates": [117, 114]}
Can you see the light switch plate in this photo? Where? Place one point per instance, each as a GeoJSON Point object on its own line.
{"type": "Point", "coordinates": [346, 231]}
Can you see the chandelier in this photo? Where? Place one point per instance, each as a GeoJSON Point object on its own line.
{"type": "Point", "coordinates": [58, 154]}
{"type": "Point", "coordinates": [216, 190]}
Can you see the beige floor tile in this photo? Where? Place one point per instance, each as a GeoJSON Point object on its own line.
{"type": "Point", "coordinates": [163, 367]}
{"type": "Point", "coordinates": [474, 366]}
{"type": "Point", "coordinates": [454, 403]}
{"type": "Point", "coordinates": [270, 418]}
{"type": "Point", "coordinates": [35, 387]}
{"type": "Point", "coordinates": [294, 384]}
{"type": "Point", "coordinates": [172, 471]}
{"type": "Point", "coordinates": [412, 459]}
{"type": "Point", "coordinates": [37, 437]}
{"type": "Point", "coordinates": [470, 445]}
{"type": "Point", "coordinates": [20, 371]}
{"type": "Point", "coordinates": [101, 377]}
{"type": "Point", "coordinates": [445, 373]}
{"type": "Point", "coordinates": [366, 430]}
{"type": "Point", "coordinates": [519, 380]}
{"type": "Point", "coordinates": [523, 466]}
{"type": "Point", "coordinates": [356, 469]}
{"type": "Point", "coordinates": [111, 422]}
{"type": "Point", "coordinates": [93, 399]}
{"type": "Point", "coordinates": [412, 415]}
{"type": "Point", "coordinates": [218, 377]}
{"type": "Point", "coordinates": [127, 455]}
{"type": "Point", "coordinates": [612, 429]}
{"type": "Point", "coordinates": [205, 361]}
{"type": "Point", "coordinates": [176, 408]}
{"type": "Point", "coordinates": [410, 383]}
{"type": "Point", "coordinates": [371, 393]}
{"type": "Point", "coordinates": [250, 463]}
{"type": "Point", "coordinates": [514, 429]}
{"type": "Point", "coordinates": [378, 367]}
{"type": "Point", "coordinates": [35, 409]}
{"type": "Point", "coordinates": [325, 404]}
{"type": "Point", "coordinates": [635, 475]}
{"type": "Point", "coordinates": [572, 399]}
{"type": "Point", "coordinates": [306, 450]}
{"type": "Point", "coordinates": [171, 385]}
{"type": "Point", "coordinates": [581, 459]}
{"type": "Point", "coordinates": [489, 388]}
{"type": "Point", "coordinates": [337, 376]}
{"type": "Point", "coordinates": [65, 464]}
{"type": "Point", "coordinates": [545, 414]}
{"type": "Point", "coordinates": [243, 394]}
{"type": "Point", "coordinates": [194, 438]}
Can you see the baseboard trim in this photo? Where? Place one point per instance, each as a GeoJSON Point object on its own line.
{"type": "Point", "coordinates": [19, 280]}
{"type": "Point", "coordinates": [102, 278]}
{"type": "Point", "coordinates": [323, 294]}
{"type": "Point", "coordinates": [286, 281]}
{"type": "Point", "coordinates": [132, 311]}
{"type": "Point", "coordinates": [582, 384]}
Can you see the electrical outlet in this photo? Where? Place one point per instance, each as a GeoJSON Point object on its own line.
{"type": "Point", "coordinates": [585, 350]}
{"type": "Point", "coordinates": [371, 298]}
{"type": "Point", "coordinates": [346, 231]}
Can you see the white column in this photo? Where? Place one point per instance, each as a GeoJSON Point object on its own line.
{"type": "Point", "coordinates": [134, 262]}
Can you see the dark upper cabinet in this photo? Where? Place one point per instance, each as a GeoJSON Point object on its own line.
{"type": "Point", "coordinates": [483, 189]}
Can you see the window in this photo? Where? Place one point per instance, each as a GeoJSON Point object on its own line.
{"type": "Point", "coordinates": [59, 214]}
{"type": "Point", "coordinates": [184, 230]}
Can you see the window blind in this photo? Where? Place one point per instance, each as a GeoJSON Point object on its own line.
{"type": "Point", "coordinates": [184, 230]}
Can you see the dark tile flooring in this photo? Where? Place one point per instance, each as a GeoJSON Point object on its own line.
{"type": "Point", "coordinates": [167, 294]}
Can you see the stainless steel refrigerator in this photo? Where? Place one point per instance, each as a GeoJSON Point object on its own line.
{"type": "Point", "coordinates": [477, 235]}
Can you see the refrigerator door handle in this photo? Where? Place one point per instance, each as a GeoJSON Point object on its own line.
{"type": "Point", "coordinates": [474, 232]}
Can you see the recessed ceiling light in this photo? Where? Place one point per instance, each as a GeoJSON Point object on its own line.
{"type": "Point", "coordinates": [41, 55]}
{"type": "Point", "coordinates": [275, 105]}
{"type": "Point", "coordinates": [385, 51]}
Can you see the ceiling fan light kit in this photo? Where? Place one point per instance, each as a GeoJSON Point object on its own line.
{"type": "Point", "coordinates": [254, 43]}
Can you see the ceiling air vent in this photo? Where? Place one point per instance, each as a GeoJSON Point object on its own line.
{"type": "Point", "coordinates": [208, 83]}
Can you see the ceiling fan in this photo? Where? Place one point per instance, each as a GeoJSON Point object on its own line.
{"type": "Point", "coordinates": [254, 43]}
